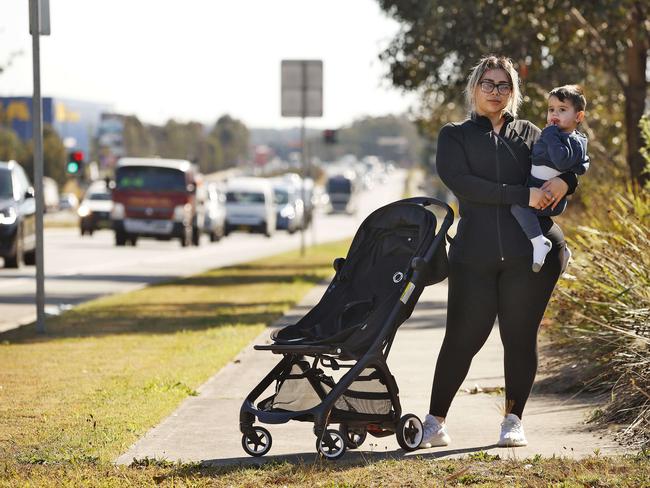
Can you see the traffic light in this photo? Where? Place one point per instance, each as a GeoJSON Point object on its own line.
{"type": "Point", "coordinates": [330, 136]}
{"type": "Point", "coordinates": [75, 161]}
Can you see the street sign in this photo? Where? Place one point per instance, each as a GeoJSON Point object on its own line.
{"type": "Point", "coordinates": [302, 88]}
{"type": "Point", "coordinates": [43, 18]}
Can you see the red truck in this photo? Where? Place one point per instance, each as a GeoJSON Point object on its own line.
{"type": "Point", "coordinates": [155, 197]}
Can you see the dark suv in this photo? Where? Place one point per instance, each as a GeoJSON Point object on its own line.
{"type": "Point", "coordinates": [17, 216]}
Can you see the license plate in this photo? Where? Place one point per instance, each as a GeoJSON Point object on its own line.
{"type": "Point", "coordinates": [148, 226]}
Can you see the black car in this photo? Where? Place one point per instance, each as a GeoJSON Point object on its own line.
{"type": "Point", "coordinates": [17, 216]}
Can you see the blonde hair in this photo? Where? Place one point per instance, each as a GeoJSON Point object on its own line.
{"type": "Point", "coordinates": [494, 62]}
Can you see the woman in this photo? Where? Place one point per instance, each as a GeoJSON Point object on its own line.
{"type": "Point", "coordinates": [484, 161]}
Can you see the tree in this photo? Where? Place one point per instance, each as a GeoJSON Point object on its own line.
{"type": "Point", "coordinates": [389, 137]}
{"type": "Point", "coordinates": [137, 138]}
{"type": "Point", "coordinates": [233, 136]}
{"type": "Point", "coordinates": [54, 156]}
{"type": "Point", "coordinates": [11, 146]}
{"type": "Point", "coordinates": [602, 44]}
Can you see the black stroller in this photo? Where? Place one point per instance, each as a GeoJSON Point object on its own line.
{"type": "Point", "coordinates": [395, 253]}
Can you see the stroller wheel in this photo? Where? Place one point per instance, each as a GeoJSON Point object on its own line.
{"type": "Point", "coordinates": [257, 443]}
{"type": "Point", "coordinates": [409, 432]}
{"type": "Point", "coordinates": [331, 445]}
{"type": "Point", "coordinates": [353, 437]}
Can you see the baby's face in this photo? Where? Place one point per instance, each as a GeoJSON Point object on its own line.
{"type": "Point", "coordinates": [563, 114]}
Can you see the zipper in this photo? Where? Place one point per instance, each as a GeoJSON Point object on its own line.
{"type": "Point", "coordinates": [496, 153]}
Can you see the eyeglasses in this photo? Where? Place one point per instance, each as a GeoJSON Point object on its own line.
{"type": "Point", "coordinates": [502, 88]}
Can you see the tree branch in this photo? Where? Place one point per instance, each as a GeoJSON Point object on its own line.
{"type": "Point", "coordinates": [598, 44]}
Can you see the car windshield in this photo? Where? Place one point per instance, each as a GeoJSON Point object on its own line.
{"type": "Point", "coordinates": [339, 185]}
{"type": "Point", "coordinates": [6, 189]}
{"type": "Point", "coordinates": [281, 197]}
{"type": "Point", "coordinates": [99, 196]}
{"type": "Point", "coordinates": [150, 178]}
{"type": "Point", "coordinates": [244, 197]}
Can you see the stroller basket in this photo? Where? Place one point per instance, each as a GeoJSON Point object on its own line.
{"type": "Point", "coordinates": [304, 388]}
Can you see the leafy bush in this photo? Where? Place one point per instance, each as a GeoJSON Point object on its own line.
{"type": "Point", "coordinates": [601, 314]}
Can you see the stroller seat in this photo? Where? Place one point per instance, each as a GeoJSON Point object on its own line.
{"type": "Point", "coordinates": [368, 281]}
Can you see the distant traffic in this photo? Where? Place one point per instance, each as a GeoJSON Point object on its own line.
{"type": "Point", "coordinates": [169, 199]}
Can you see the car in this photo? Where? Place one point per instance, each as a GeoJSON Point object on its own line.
{"type": "Point", "coordinates": [68, 201]}
{"type": "Point", "coordinates": [250, 206]}
{"type": "Point", "coordinates": [17, 216]}
{"type": "Point", "coordinates": [156, 197]}
{"type": "Point", "coordinates": [95, 208]}
{"type": "Point", "coordinates": [289, 205]}
{"type": "Point", "coordinates": [343, 193]}
{"type": "Point", "coordinates": [214, 212]}
{"type": "Point", "coordinates": [50, 194]}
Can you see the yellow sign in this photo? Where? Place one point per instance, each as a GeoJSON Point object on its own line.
{"type": "Point", "coordinates": [16, 110]}
{"type": "Point", "coordinates": [62, 114]}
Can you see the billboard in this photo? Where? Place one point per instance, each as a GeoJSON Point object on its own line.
{"type": "Point", "coordinates": [74, 120]}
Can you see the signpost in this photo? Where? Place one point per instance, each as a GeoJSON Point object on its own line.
{"type": "Point", "coordinates": [302, 96]}
{"type": "Point", "coordinates": [39, 24]}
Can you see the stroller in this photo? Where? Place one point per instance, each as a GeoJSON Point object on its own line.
{"type": "Point", "coordinates": [395, 253]}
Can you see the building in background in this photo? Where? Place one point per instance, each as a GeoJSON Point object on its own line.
{"type": "Point", "coordinates": [76, 122]}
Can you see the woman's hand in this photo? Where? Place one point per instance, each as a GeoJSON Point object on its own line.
{"type": "Point", "coordinates": [538, 198]}
{"type": "Point", "coordinates": [556, 188]}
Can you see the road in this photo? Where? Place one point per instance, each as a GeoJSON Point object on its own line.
{"type": "Point", "coordinates": [80, 269]}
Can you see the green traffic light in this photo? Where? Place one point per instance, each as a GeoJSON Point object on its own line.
{"type": "Point", "coordinates": [72, 167]}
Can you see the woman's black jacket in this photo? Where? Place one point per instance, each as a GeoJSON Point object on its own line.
{"type": "Point", "coordinates": [487, 173]}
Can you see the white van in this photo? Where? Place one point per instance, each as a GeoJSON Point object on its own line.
{"type": "Point", "coordinates": [249, 206]}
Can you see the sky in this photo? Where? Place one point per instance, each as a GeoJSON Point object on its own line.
{"type": "Point", "coordinates": [199, 59]}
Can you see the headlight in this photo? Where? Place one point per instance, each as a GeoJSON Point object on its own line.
{"type": "Point", "coordinates": [83, 211]}
{"type": "Point", "coordinates": [8, 216]}
{"type": "Point", "coordinates": [287, 212]}
{"type": "Point", "coordinates": [182, 212]}
{"type": "Point", "coordinates": [117, 212]}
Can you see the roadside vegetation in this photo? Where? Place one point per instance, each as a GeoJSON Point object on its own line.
{"type": "Point", "coordinates": [601, 312]}
{"type": "Point", "coordinates": [110, 369]}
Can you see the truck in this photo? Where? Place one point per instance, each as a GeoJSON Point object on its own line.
{"type": "Point", "coordinates": [155, 197]}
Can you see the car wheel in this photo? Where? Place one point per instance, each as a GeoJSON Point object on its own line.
{"type": "Point", "coordinates": [17, 258]}
{"type": "Point", "coordinates": [30, 257]}
{"type": "Point", "coordinates": [186, 238]}
{"type": "Point", "coordinates": [196, 236]}
{"type": "Point", "coordinates": [120, 238]}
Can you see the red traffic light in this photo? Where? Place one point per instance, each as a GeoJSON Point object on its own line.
{"type": "Point", "coordinates": [77, 156]}
{"type": "Point", "coordinates": [330, 136]}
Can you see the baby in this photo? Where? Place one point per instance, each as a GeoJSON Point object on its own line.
{"type": "Point", "coordinates": [560, 148]}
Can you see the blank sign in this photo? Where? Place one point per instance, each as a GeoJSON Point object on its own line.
{"type": "Point", "coordinates": [302, 88]}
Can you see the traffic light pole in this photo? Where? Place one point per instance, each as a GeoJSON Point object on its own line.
{"type": "Point", "coordinates": [37, 134]}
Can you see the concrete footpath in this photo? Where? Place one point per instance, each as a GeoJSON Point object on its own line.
{"type": "Point", "coordinates": [206, 427]}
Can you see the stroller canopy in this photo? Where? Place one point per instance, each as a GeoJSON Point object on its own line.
{"type": "Point", "coordinates": [369, 284]}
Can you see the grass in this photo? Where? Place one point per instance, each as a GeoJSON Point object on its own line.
{"type": "Point", "coordinates": [110, 369]}
{"type": "Point", "coordinates": [483, 471]}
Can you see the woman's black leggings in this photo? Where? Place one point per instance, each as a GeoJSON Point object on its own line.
{"type": "Point", "coordinates": [478, 294]}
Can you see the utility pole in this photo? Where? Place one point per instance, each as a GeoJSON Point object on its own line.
{"type": "Point", "coordinates": [39, 24]}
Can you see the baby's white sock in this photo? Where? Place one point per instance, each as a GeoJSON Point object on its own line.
{"type": "Point", "coordinates": [541, 247]}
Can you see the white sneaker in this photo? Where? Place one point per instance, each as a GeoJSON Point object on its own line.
{"type": "Point", "coordinates": [435, 434]}
{"type": "Point", "coordinates": [512, 432]}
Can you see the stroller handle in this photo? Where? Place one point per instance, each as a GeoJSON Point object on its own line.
{"type": "Point", "coordinates": [427, 201]}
